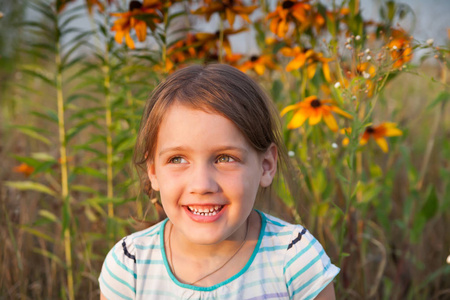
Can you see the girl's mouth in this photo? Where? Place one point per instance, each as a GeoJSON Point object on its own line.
{"type": "Point", "coordinates": [205, 210]}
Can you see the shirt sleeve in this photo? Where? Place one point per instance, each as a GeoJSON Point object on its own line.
{"type": "Point", "coordinates": [307, 268]}
{"type": "Point", "coordinates": [118, 276]}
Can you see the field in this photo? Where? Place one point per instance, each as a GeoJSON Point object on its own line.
{"type": "Point", "coordinates": [365, 120]}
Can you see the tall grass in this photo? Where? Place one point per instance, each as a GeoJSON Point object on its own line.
{"type": "Point", "coordinates": [69, 191]}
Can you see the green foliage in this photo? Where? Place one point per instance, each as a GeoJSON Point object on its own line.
{"type": "Point", "coordinates": [82, 96]}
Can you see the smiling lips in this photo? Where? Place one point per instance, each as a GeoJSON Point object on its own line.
{"type": "Point", "coordinates": [205, 210]}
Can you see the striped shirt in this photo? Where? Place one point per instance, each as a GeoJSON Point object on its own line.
{"type": "Point", "coordinates": [287, 263]}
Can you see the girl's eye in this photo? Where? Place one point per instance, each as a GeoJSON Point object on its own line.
{"type": "Point", "coordinates": [177, 160]}
{"type": "Point", "coordinates": [224, 159]}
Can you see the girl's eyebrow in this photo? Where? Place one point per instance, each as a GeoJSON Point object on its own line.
{"type": "Point", "coordinates": [218, 149]}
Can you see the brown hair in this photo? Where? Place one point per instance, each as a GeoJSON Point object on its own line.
{"type": "Point", "coordinates": [220, 89]}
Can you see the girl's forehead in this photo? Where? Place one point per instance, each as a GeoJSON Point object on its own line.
{"type": "Point", "coordinates": [184, 125]}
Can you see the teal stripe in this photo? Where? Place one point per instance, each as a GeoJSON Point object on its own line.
{"type": "Point", "coordinates": [149, 232]}
{"type": "Point", "coordinates": [265, 265]}
{"type": "Point", "coordinates": [119, 279]}
{"type": "Point", "coordinates": [308, 283]}
{"type": "Point", "coordinates": [300, 253]}
{"type": "Point", "coordinates": [275, 222]}
{"type": "Point", "coordinates": [141, 247]}
{"type": "Point", "coordinates": [274, 248]}
{"type": "Point", "coordinates": [122, 265]}
{"type": "Point", "coordinates": [313, 295]}
{"type": "Point", "coordinates": [272, 233]}
{"type": "Point", "coordinates": [305, 268]}
{"type": "Point", "coordinates": [114, 291]}
{"type": "Point", "coordinates": [149, 261]}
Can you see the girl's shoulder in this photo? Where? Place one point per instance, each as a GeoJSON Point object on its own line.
{"type": "Point", "coordinates": [123, 262]}
{"type": "Point", "coordinates": [306, 266]}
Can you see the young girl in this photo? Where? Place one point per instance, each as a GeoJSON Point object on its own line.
{"type": "Point", "coordinates": [210, 144]}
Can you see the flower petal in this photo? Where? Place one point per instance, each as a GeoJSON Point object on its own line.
{"type": "Point", "coordinates": [393, 132]}
{"type": "Point", "coordinates": [289, 108]}
{"type": "Point", "coordinates": [330, 121]}
{"type": "Point", "coordinates": [129, 40]}
{"type": "Point", "coordinates": [311, 70]}
{"type": "Point", "coordinates": [326, 72]}
{"type": "Point", "coordinates": [259, 69]}
{"type": "Point", "coordinates": [383, 144]}
{"type": "Point", "coordinates": [298, 119]}
{"type": "Point", "coordinates": [141, 30]}
{"type": "Point", "coordinates": [296, 63]}
{"type": "Point", "coordinates": [230, 16]}
{"type": "Point", "coordinates": [315, 117]}
{"type": "Point", "coordinates": [341, 112]}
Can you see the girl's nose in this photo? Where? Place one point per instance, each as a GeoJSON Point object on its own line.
{"type": "Point", "coordinates": [202, 180]}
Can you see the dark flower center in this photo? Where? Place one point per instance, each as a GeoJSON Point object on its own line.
{"type": "Point", "coordinates": [288, 4]}
{"type": "Point", "coordinates": [254, 58]}
{"type": "Point", "coordinates": [316, 103]}
{"type": "Point", "coordinates": [370, 130]}
{"type": "Point", "coordinates": [135, 5]}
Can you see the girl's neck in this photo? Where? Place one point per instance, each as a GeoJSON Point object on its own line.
{"type": "Point", "coordinates": [208, 265]}
{"type": "Point", "coordinates": [225, 248]}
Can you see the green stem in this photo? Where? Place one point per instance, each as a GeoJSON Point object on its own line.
{"type": "Point", "coordinates": [109, 127]}
{"type": "Point", "coordinates": [64, 174]}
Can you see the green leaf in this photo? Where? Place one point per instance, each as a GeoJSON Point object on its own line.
{"type": "Point", "coordinates": [51, 115]}
{"type": "Point", "coordinates": [50, 255]}
{"type": "Point", "coordinates": [32, 132]}
{"type": "Point", "coordinates": [69, 19]}
{"type": "Point", "coordinates": [443, 96]}
{"type": "Point", "coordinates": [44, 46]}
{"type": "Point", "coordinates": [30, 185]}
{"type": "Point", "coordinates": [39, 73]}
{"type": "Point", "coordinates": [37, 233]}
{"type": "Point", "coordinates": [84, 189]}
{"type": "Point", "coordinates": [90, 171]}
{"type": "Point", "coordinates": [49, 215]}
{"type": "Point", "coordinates": [43, 156]}
{"type": "Point", "coordinates": [72, 132]}
{"type": "Point", "coordinates": [39, 25]}
{"type": "Point", "coordinates": [45, 9]}
{"type": "Point", "coordinates": [430, 207]}
{"type": "Point", "coordinates": [174, 16]}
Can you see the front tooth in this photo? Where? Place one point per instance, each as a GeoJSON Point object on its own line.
{"type": "Point", "coordinates": [196, 210]}
{"type": "Point", "coordinates": [211, 209]}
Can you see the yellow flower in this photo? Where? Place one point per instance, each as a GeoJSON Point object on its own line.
{"type": "Point", "coordinates": [400, 48]}
{"type": "Point", "coordinates": [258, 64]}
{"type": "Point", "coordinates": [128, 21]}
{"type": "Point", "coordinates": [367, 71]}
{"type": "Point", "coordinates": [309, 58]}
{"type": "Point", "coordinates": [301, 13]}
{"type": "Point", "coordinates": [314, 109]}
{"type": "Point", "coordinates": [378, 133]}
{"type": "Point", "coordinates": [227, 9]}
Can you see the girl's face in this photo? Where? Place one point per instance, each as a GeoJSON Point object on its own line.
{"type": "Point", "coordinates": [207, 174]}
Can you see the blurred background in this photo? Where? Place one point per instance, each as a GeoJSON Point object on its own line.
{"type": "Point", "coordinates": [362, 88]}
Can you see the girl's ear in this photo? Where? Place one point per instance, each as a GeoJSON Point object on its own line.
{"type": "Point", "coordinates": [269, 165]}
{"type": "Point", "coordinates": [152, 175]}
